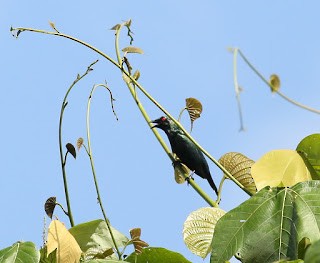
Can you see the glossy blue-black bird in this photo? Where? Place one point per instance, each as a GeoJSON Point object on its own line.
{"type": "Point", "coordinates": [188, 153]}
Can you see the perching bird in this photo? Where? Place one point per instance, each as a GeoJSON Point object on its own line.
{"type": "Point", "coordinates": [188, 153]}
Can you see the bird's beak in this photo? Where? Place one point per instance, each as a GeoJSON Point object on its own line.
{"type": "Point", "coordinates": [156, 124]}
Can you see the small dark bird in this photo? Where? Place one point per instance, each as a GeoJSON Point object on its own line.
{"type": "Point", "coordinates": [186, 150]}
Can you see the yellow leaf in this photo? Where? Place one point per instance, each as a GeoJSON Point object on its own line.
{"type": "Point", "coordinates": [116, 27]}
{"type": "Point", "coordinates": [132, 49]}
{"type": "Point", "coordinates": [52, 25]}
{"type": "Point", "coordinates": [136, 75]}
{"type": "Point", "coordinates": [198, 229]}
{"type": "Point", "coordinates": [274, 82]}
{"type": "Point", "coordinates": [178, 174]}
{"type": "Point", "coordinates": [60, 239]}
{"type": "Point", "coordinates": [279, 168]}
{"type": "Point", "coordinates": [128, 23]}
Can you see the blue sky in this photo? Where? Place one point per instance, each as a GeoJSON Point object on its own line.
{"type": "Point", "coordinates": [185, 45]}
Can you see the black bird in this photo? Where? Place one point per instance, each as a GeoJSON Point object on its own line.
{"type": "Point", "coordinates": [185, 149]}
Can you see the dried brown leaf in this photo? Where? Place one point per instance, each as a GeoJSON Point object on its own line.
{"type": "Point", "coordinates": [116, 27]}
{"type": "Point", "coordinates": [52, 25]}
{"type": "Point", "coordinates": [239, 166]}
{"type": "Point", "coordinates": [138, 244]}
{"type": "Point", "coordinates": [71, 149]}
{"type": "Point", "coordinates": [128, 23]}
{"type": "Point", "coordinates": [50, 205]}
{"type": "Point", "coordinates": [132, 49]}
{"type": "Point", "coordinates": [194, 108]}
{"type": "Point", "coordinates": [79, 143]}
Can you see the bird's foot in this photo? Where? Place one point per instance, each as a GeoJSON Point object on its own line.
{"type": "Point", "coordinates": [190, 177]}
{"type": "Point", "coordinates": [176, 162]}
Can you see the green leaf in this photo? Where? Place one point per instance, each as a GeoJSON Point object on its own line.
{"type": "Point", "coordinates": [44, 258]}
{"type": "Point", "coordinates": [289, 261]}
{"type": "Point", "coordinates": [280, 168]}
{"type": "Point", "coordinates": [157, 255]}
{"type": "Point", "coordinates": [313, 253]}
{"type": "Point", "coordinates": [93, 237]}
{"type": "Point", "coordinates": [104, 261]}
{"type": "Point", "coordinates": [310, 148]}
{"type": "Point", "coordinates": [303, 246]}
{"type": "Point", "coordinates": [25, 252]}
{"type": "Point", "coordinates": [269, 226]}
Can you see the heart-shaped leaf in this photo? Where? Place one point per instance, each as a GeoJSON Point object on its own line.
{"type": "Point", "coordinates": [25, 252]}
{"type": "Point", "coordinates": [63, 243]}
{"type": "Point", "coordinates": [198, 229]}
{"type": "Point", "coordinates": [309, 147]}
{"type": "Point", "coordinates": [239, 166]}
{"type": "Point", "coordinates": [279, 168]}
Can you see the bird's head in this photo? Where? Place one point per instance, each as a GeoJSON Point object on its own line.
{"type": "Point", "coordinates": [162, 123]}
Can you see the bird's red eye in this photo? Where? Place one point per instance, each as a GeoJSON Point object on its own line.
{"type": "Point", "coordinates": [163, 118]}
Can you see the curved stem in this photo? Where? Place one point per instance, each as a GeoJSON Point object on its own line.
{"type": "Point", "coordinates": [21, 29]}
{"type": "Point", "coordinates": [236, 86]}
{"type": "Point", "coordinates": [63, 159]}
{"type": "Point", "coordinates": [171, 117]}
{"type": "Point", "coordinates": [220, 187]}
{"type": "Point", "coordinates": [180, 114]}
{"type": "Point", "coordinates": [155, 132]}
{"type": "Point", "coordinates": [119, 65]}
{"type": "Point", "coordinates": [278, 92]}
{"type": "Point", "coordinates": [89, 152]}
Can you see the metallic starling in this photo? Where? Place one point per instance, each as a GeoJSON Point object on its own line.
{"type": "Point", "coordinates": [188, 153]}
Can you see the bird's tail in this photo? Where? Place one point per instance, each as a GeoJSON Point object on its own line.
{"type": "Point", "coordinates": [212, 184]}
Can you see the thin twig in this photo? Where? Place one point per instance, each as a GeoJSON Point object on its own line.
{"type": "Point", "coordinates": [237, 87]}
{"type": "Point", "coordinates": [89, 152]}
{"type": "Point", "coordinates": [276, 91]}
